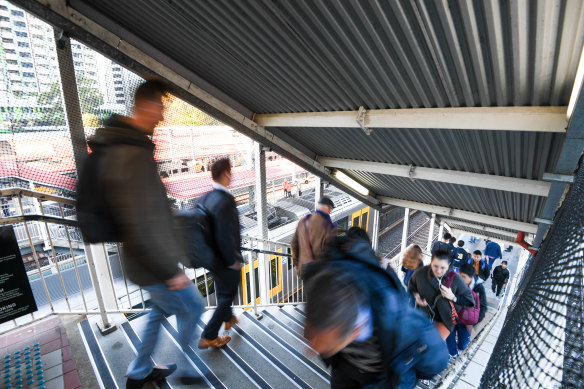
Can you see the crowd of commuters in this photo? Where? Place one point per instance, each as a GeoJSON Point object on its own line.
{"type": "Point", "coordinates": [372, 328]}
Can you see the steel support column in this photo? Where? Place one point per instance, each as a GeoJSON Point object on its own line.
{"type": "Point", "coordinates": [404, 242]}
{"type": "Point", "coordinates": [71, 98]}
{"type": "Point", "coordinates": [96, 255]}
{"type": "Point", "coordinates": [375, 230]}
{"type": "Point", "coordinates": [431, 232]}
{"type": "Point", "coordinates": [440, 231]}
{"type": "Point", "coordinates": [261, 207]}
{"type": "Point", "coordinates": [318, 190]}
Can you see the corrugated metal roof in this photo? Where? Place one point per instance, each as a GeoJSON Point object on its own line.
{"type": "Point", "coordinates": [481, 232]}
{"type": "Point", "coordinates": [303, 56]}
{"type": "Point", "coordinates": [516, 206]}
{"type": "Point", "coordinates": [504, 153]}
{"type": "Point", "coordinates": [321, 55]}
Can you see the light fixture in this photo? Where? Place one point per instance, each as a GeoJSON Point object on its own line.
{"type": "Point", "coordinates": [577, 86]}
{"type": "Point", "coordinates": [345, 179]}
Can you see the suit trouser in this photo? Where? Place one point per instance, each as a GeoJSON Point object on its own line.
{"type": "Point", "coordinates": [226, 286]}
{"type": "Point", "coordinates": [499, 287]}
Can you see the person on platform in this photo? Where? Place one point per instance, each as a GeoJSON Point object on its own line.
{"type": "Point", "coordinates": [500, 278]}
{"type": "Point", "coordinates": [492, 252]}
{"type": "Point", "coordinates": [312, 233]}
{"type": "Point", "coordinates": [220, 204]}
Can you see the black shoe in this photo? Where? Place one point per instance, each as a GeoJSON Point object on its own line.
{"type": "Point", "coordinates": [158, 373]}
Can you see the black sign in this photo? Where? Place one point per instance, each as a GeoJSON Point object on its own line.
{"type": "Point", "coordinates": [16, 298]}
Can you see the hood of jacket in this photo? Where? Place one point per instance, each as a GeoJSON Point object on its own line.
{"type": "Point", "coordinates": [118, 131]}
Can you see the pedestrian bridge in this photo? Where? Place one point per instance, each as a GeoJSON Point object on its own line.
{"type": "Point", "coordinates": [470, 113]}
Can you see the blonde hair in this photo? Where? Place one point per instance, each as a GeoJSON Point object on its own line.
{"type": "Point", "coordinates": [412, 257]}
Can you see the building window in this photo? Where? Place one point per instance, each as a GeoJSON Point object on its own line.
{"type": "Point", "coordinates": [21, 34]}
{"type": "Point", "coordinates": [4, 19]}
{"type": "Point", "coordinates": [117, 82]}
{"type": "Point", "coordinates": [24, 54]}
{"type": "Point", "coordinates": [28, 74]}
{"type": "Point", "coordinates": [7, 30]}
{"type": "Point", "coordinates": [7, 40]}
{"type": "Point", "coordinates": [17, 13]}
{"type": "Point", "coordinates": [77, 55]}
{"type": "Point", "coordinates": [118, 89]}
{"type": "Point", "coordinates": [120, 101]}
{"type": "Point", "coordinates": [77, 63]}
{"type": "Point", "coordinates": [26, 65]}
{"type": "Point", "coordinates": [119, 95]}
{"type": "Point", "coordinates": [10, 51]}
{"type": "Point", "coordinates": [11, 62]}
{"type": "Point", "coordinates": [117, 76]}
{"type": "Point", "coordinates": [20, 24]}
{"type": "Point", "coordinates": [23, 44]}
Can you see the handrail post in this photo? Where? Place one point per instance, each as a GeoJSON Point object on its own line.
{"type": "Point", "coordinates": [431, 232]}
{"type": "Point", "coordinates": [96, 254]}
{"type": "Point", "coordinates": [252, 283]}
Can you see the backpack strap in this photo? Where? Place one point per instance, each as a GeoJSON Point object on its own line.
{"type": "Point", "coordinates": [307, 235]}
{"type": "Point", "coordinates": [449, 279]}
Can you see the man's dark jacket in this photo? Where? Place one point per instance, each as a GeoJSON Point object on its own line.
{"type": "Point", "coordinates": [139, 203]}
{"type": "Point", "coordinates": [500, 275]}
{"type": "Point", "coordinates": [483, 271]}
{"type": "Point", "coordinates": [426, 285]}
{"type": "Point", "coordinates": [459, 256]}
{"type": "Point", "coordinates": [410, 345]}
{"type": "Point", "coordinates": [225, 224]}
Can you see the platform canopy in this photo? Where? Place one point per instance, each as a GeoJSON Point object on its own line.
{"type": "Point", "coordinates": [453, 107]}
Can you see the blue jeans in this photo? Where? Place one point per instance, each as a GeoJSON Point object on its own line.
{"type": "Point", "coordinates": [463, 339]}
{"type": "Point", "coordinates": [491, 261]}
{"type": "Point", "coordinates": [187, 304]}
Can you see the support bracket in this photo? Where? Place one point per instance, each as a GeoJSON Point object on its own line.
{"type": "Point", "coordinates": [557, 178]}
{"type": "Point", "coordinates": [361, 119]}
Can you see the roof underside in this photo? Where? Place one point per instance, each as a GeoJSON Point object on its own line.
{"type": "Point", "coordinates": [276, 56]}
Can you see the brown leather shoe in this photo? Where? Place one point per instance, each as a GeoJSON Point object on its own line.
{"type": "Point", "coordinates": [218, 342]}
{"type": "Point", "coordinates": [231, 323]}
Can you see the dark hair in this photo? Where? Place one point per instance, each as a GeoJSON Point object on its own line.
{"type": "Point", "coordinates": [468, 269]}
{"type": "Point", "coordinates": [447, 236]}
{"type": "Point", "coordinates": [478, 252]}
{"type": "Point", "coordinates": [452, 240]}
{"type": "Point", "coordinates": [441, 254]}
{"type": "Point", "coordinates": [460, 243]}
{"type": "Point", "coordinates": [151, 90]}
{"type": "Point", "coordinates": [332, 301]}
{"type": "Point", "coordinates": [219, 167]}
{"type": "Point", "coordinates": [357, 233]}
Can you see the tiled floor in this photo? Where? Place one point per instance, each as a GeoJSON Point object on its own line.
{"type": "Point", "coordinates": [53, 369]}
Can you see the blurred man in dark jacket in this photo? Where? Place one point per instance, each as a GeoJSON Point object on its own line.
{"type": "Point", "coordinates": [359, 320]}
{"type": "Point", "coordinates": [226, 271]}
{"type": "Point", "coordinates": [138, 201]}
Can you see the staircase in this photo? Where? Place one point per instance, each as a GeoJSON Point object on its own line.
{"type": "Point", "coordinates": [267, 352]}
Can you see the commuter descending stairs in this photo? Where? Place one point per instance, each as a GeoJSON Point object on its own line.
{"type": "Point", "coordinates": [266, 353]}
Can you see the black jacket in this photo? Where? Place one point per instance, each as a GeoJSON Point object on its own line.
{"type": "Point", "coordinates": [139, 203]}
{"type": "Point", "coordinates": [225, 220]}
{"type": "Point", "coordinates": [483, 270]}
{"type": "Point", "coordinates": [426, 284]}
{"type": "Point", "coordinates": [500, 275]}
{"type": "Point", "coordinates": [480, 290]}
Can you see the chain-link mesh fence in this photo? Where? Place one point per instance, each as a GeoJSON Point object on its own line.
{"type": "Point", "coordinates": [541, 344]}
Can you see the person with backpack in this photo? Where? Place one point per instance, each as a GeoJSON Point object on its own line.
{"type": "Point", "coordinates": [492, 252]}
{"type": "Point", "coordinates": [121, 198]}
{"type": "Point", "coordinates": [359, 320]}
{"type": "Point", "coordinates": [440, 293]}
{"type": "Point", "coordinates": [443, 245]}
{"type": "Point", "coordinates": [312, 232]}
{"type": "Point", "coordinates": [225, 232]}
{"type": "Point", "coordinates": [459, 256]}
{"type": "Point", "coordinates": [467, 317]}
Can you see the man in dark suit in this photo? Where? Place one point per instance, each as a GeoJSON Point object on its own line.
{"type": "Point", "coordinates": [226, 271]}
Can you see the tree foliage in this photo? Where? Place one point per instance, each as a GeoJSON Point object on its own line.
{"type": "Point", "coordinates": [180, 113]}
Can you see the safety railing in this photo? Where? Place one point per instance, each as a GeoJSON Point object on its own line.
{"type": "Point", "coordinates": [70, 277]}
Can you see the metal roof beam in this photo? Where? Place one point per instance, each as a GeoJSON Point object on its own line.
{"type": "Point", "coordinates": [510, 184]}
{"type": "Point", "coordinates": [460, 214]}
{"type": "Point", "coordinates": [485, 229]}
{"type": "Point", "coordinates": [540, 119]}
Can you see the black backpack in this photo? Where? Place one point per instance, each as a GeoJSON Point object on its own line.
{"type": "Point", "coordinates": [94, 215]}
{"type": "Point", "coordinates": [196, 229]}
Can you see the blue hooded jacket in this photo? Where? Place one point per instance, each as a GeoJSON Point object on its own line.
{"type": "Point", "coordinates": [411, 347]}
